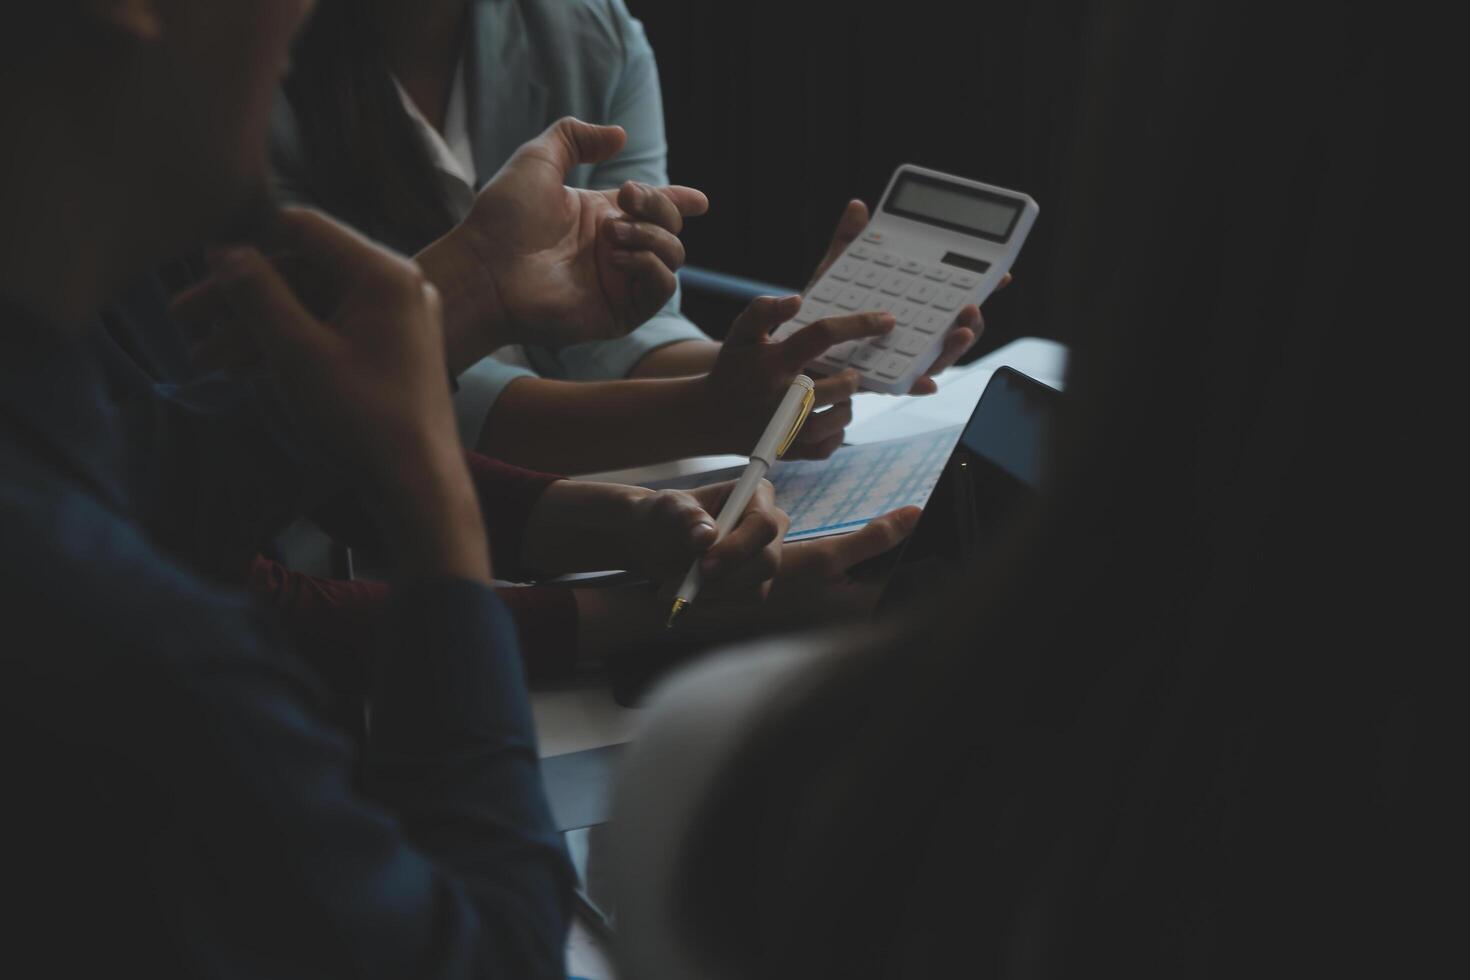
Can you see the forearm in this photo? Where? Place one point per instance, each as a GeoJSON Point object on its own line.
{"type": "Point", "coordinates": [429, 516]}
{"type": "Point", "coordinates": [583, 427]}
{"type": "Point", "coordinates": [687, 357]}
{"type": "Point", "coordinates": [581, 527]}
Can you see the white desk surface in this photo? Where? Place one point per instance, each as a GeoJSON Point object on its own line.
{"type": "Point", "coordinates": [582, 714]}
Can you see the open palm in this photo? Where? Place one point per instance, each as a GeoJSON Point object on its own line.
{"type": "Point", "coordinates": [572, 265]}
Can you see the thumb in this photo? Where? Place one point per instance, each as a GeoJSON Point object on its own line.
{"type": "Point", "coordinates": [879, 535]}
{"type": "Point", "coordinates": [854, 219]}
{"type": "Point", "coordinates": [571, 141]}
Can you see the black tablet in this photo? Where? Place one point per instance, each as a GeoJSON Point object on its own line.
{"type": "Point", "coordinates": [996, 470]}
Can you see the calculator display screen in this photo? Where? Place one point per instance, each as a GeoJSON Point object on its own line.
{"type": "Point", "coordinates": [952, 206]}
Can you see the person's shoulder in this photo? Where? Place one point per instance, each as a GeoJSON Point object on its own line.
{"type": "Point", "coordinates": [588, 26]}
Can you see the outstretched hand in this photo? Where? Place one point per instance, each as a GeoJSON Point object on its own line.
{"type": "Point", "coordinates": [753, 372]}
{"type": "Point", "coordinates": [569, 265]}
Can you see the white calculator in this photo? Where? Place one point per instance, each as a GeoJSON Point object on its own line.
{"type": "Point", "coordinates": [936, 243]}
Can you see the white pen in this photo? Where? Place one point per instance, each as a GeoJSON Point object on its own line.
{"type": "Point", "coordinates": [778, 437]}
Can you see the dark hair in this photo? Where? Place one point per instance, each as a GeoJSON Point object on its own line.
{"type": "Point", "coordinates": [364, 161]}
{"type": "Point", "coordinates": [1146, 738]}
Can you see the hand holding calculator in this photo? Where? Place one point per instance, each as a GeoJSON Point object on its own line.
{"type": "Point", "coordinates": [936, 244]}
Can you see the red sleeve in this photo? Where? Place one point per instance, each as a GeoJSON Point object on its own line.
{"type": "Point", "coordinates": [507, 495]}
{"type": "Point", "coordinates": [339, 625]}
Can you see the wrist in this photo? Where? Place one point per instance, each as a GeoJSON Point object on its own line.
{"type": "Point", "coordinates": [720, 416]}
{"type": "Point", "coordinates": [583, 527]}
{"type": "Point", "coordinates": [475, 324]}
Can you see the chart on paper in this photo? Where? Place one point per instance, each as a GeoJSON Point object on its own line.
{"type": "Point", "coordinates": [852, 486]}
{"type": "Point", "coordinates": [859, 483]}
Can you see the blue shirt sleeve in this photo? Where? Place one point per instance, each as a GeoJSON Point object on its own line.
{"type": "Point", "coordinates": [239, 834]}
{"type": "Point", "coordinates": [480, 386]}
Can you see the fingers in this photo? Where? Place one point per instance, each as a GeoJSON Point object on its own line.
{"type": "Point", "coordinates": [823, 449]}
{"type": "Point", "coordinates": [813, 340]}
{"type": "Point", "coordinates": [665, 207]}
{"type": "Point", "coordinates": [822, 426]}
{"type": "Point", "coordinates": [751, 553]}
{"type": "Point", "coordinates": [956, 342]}
{"type": "Point", "coordinates": [642, 236]}
{"type": "Point", "coordinates": [203, 306]}
{"type": "Point", "coordinates": [683, 531]}
{"type": "Point", "coordinates": [651, 283]}
{"type": "Point", "coordinates": [262, 303]}
{"type": "Point", "coordinates": [961, 337]}
{"type": "Point", "coordinates": [836, 388]}
{"type": "Point", "coordinates": [879, 535]}
{"type": "Point", "coordinates": [854, 219]}
{"type": "Point", "coordinates": [691, 202]}
{"type": "Point", "coordinates": [570, 141]}
{"type": "Point", "coordinates": [764, 314]}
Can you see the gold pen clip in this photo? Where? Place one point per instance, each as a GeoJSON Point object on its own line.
{"type": "Point", "coordinates": [806, 409]}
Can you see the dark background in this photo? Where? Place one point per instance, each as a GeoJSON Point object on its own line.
{"type": "Point", "coordinates": [782, 112]}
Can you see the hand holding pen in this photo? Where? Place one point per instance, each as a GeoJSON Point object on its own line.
{"type": "Point", "coordinates": [778, 437]}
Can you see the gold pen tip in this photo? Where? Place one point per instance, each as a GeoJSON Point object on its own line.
{"type": "Point", "coordinates": [679, 605]}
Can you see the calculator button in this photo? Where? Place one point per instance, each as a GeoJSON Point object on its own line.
{"type": "Point", "coordinates": [886, 258]}
{"type": "Point", "coordinates": [893, 366]}
{"type": "Point", "coordinates": [913, 343]}
{"type": "Point", "coordinates": [812, 309]}
{"type": "Point", "coordinates": [965, 280]}
{"type": "Point", "coordinates": [923, 291]}
{"type": "Point", "coordinates": [836, 357]}
{"type": "Point", "coordinates": [860, 251]}
{"type": "Point", "coordinates": [931, 321]}
{"type": "Point", "coordinates": [911, 267]}
{"type": "Point", "coordinates": [810, 312]}
{"type": "Point", "coordinates": [938, 273]}
{"type": "Point", "coordinates": [896, 283]}
{"type": "Point", "coordinates": [883, 304]}
{"type": "Point", "coordinates": [826, 291]}
{"type": "Point", "coordinates": [873, 236]}
{"type": "Point", "coordinates": [884, 341]}
{"type": "Point", "coordinates": [844, 270]}
{"type": "Point", "coordinates": [865, 356]}
{"type": "Point", "coordinates": [948, 300]}
{"type": "Point", "coordinates": [870, 276]}
{"type": "Point", "coordinates": [853, 298]}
